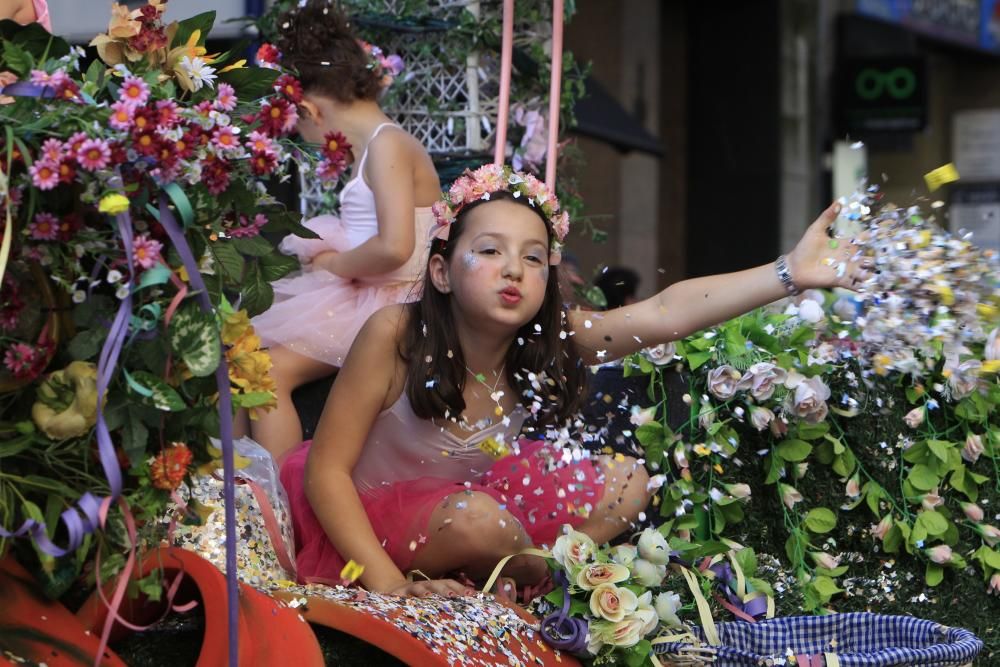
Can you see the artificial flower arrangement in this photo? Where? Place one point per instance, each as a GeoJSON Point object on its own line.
{"type": "Point", "coordinates": [136, 209]}
{"type": "Point", "coordinates": [867, 425]}
{"type": "Point", "coordinates": [612, 603]}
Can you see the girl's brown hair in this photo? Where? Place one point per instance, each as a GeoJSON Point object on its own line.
{"type": "Point", "coordinates": [316, 40]}
{"type": "Point", "coordinates": [434, 388]}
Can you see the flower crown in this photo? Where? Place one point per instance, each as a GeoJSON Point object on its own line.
{"type": "Point", "coordinates": [385, 67]}
{"type": "Point", "coordinates": [479, 185]}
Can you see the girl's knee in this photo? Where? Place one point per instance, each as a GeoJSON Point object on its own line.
{"type": "Point", "coordinates": [475, 519]}
{"type": "Point", "coordinates": [626, 483]}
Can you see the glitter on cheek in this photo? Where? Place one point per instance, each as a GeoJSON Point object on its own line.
{"type": "Point", "coordinates": [470, 261]}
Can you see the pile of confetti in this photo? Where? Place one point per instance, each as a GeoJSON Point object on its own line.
{"type": "Point", "coordinates": [471, 630]}
{"type": "Point", "coordinates": [930, 292]}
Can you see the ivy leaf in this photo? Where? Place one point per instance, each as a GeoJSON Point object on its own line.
{"type": "Point", "coordinates": [923, 478]}
{"type": "Point", "coordinates": [940, 448]}
{"type": "Point", "coordinates": [649, 434]}
{"type": "Point", "coordinates": [893, 538]}
{"type": "Point", "coordinates": [934, 574]}
{"type": "Point", "coordinates": [933, 522]}
{"type": "Point", "coordinates": [194, 337]}
{"type": "Point", "coordinates": [820, 520]}
{"type": "Point", "coordinates": [794, 450]}
{"type": "Point", "coordinates": [826, 587]}
{"type": "Point", "coordinates": [747, 560]}
{"type": "Point", "coordinates": [813, 431]}
{"type": "Point", "coordinates": [86, 344]}
{"type": "Point", "coordinates": [696, 359]}
{"type": "Point", "coordinates": [160, 394]}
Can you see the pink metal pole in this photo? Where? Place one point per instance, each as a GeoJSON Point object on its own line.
{"type": "Point", "coordinates": [506, 54]}
{"type": "Point", "coordinates": [555, 94]}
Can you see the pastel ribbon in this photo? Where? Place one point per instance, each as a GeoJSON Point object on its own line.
{"type": "Point", "coordinates": [559, 629]}
{"type": "Point", "coordinates": [180, 243]}
{"type": "Point", "coordinates": [555, 95]}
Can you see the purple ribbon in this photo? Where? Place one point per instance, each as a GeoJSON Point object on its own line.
{"type": "Point", "coordinates": [176, 235]}
{"type": "Point", "coordinates": [28, 89]}
{"type": "Point", "coordinates": [562, 631]}
{"type": "Point", "coordinates": [77, 526]}
{"type": "Point", "coordinates": [756, 607]}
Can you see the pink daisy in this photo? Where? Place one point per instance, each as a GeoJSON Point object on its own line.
{"type": "Point", "coordinates": [134, 91]}
{"type": "Point", "coordinates": [226, 137]}
{"type": "Point", "coordinates": [225, 98]}
{"type": "Point", "coordinates": [122, 114]}
{"type": "Point", "coordinates": [248, 228]}
{"type": "Point", "coordinates": [40, 78]}
{"type": "Point", "coordinates": [146, 251]}
{"type": "Point", "coordinates": [44, 175]}
{"type": "Point", "coordinates": [45, 227]}
{"type": "Point", "coordinates": [60, 79]}
{"type": "Point", "coordinates": [75, 141]}
{"type": "Point", "coordinates": [328, 170]}
{"type": "Point", "coordinates": [20, 360]}
{"type": "Point", "coordinates": [52, 150]}
{"type": "Point", "coordinates": [94, 154]}
{"type": "Point", "coordinates": [166, 114]}
{"type": "Point", "coordinates": [258, 142]}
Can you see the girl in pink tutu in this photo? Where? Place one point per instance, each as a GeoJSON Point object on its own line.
{"type": "Point", "coordinates": [373, 254]}
{"type": "Point", "coordinates": [26, 11]}
{"type": "Point", "coordinates": [417, 464]}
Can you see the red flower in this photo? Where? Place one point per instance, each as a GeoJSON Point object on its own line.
{"type": "Point", "coordinates": [215, 174]}
{"type": "Point", "coordinates": [67, 172]}
{"type": "Point", "coordinates": [289, 86]}
{"type": "Point", "coordinates": [278, 117]}
{"type": "Point", "coordinates": [170, 466]}
{"type": "Point", "coordinates": [335, 147]}
{"type": "Point", "coordinates": [268, 53]}
{"type": "Point", "coordinates": [263, 164]}
{"type": "Point", "coordinates": [146, 142]}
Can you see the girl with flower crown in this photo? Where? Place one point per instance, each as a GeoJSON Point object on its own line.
{"type": "Point", "coordinates": [373, 254]}
{"type": "Point", "coordinates": [416, 463]}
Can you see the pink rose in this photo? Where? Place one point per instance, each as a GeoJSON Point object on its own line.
{"type": "Point", "coordinates": [973, 447]}
{"type": "Point", "coordinates": [809, 400]}
{"type": "Point", "coordinates": [825, 560]}
{"type": "Point", "coordinates": [760, 417]}
{"type": "Point", "coordinates": [611, 603]}
{"type": "Point", "coordinates": [973, 512]}
{"type": "Point", "coordinates": [722, 382]}
{"type": "Point", "coordinates": [762, 379]}
{"type": "Point", "coordinates": [853, 489]}
{"type": "Point", "coordinates": [882, 527]}
{"type": "Point", "coordinates": [931, 500]}
{"type": "Point", "coordinates": [994, 587]}
{"type": "Point", "coordinates": [789, 495]}
{"type": "Point", "coordinates": [941, 554]}
{"type": "Point", "coordinates": [592, 576]}
{"type": "Point", "coordinates": [990, 534]}
{"type": "Point", "coordinates": [914, 417]}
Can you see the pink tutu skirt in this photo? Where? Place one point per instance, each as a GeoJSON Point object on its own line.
{"type": "Point", "coordinates": [319, 314]}
{"type": "Point", "coordinates": [400, 513]}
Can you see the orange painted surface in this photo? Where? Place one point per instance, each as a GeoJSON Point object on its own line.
{"type": "Point", "coordinates": [40, 630]}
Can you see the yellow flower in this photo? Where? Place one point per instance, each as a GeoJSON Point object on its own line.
{"type": "Point", "coordinates": [113, 204]}
{"type": "Point", "coordinates": [67, 401]}
{"type": "Point", "coordinates": [234, 325]}
{"type": "Point", "coordinates": [352, 571]}
{"type": "Point", "coordinates": [249, 369]}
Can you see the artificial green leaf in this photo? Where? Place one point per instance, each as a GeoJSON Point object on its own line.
{"type": "Point", "coordinates": [845, 464]}
{"type": "Point", "coordinates": [255, 246]}
{"type": "Point", "coordinates": [923, 478]}
{"type": "Point", "coordinates": [826, 587]}
{"type": "Point", "coordinates": [251, 83]}
{"type": "Point", "coordinates": [160, 395]}
{"type": "Point", "coordinates": [649, 433]}
{"type": "Point", "coordinates": [747, 560]}
{"type": "Point", "coordinates": [940, 448]}
{"type": "Point", "coordinates": [892, 540]}
{"type": "Point", "coordinates": [228, 260]}
{"type": "Point", "coordinates": [194, 338]}
{"type": "Point", "coordinates": [794, 450]}
{"type": "Point", "coordinates": [934, 574]}
{"type": "Point", "coordinates": [16, 59]}
{"type": "Point", "coordinates": [932, 522]}
{"type": "Point", "coordinates": [812, 431]}
{"type": "Point", "coordinates": [257, 292]}
{"type": "Point", "coordinates": [134, 437]}
{"type": "Point", "coordinates": [202, 22]}
{"type": "Point", "coordinates": [274, 266]}
{"type": "Point", "coordinates": [820, 520]}
{"type": "Point", "coordinates": [696, 359]}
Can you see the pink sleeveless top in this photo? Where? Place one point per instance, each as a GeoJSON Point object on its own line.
{"type": "Point", "coordinates": [402, 447]}
{"type": "Point", "coordinates": [42, 14]}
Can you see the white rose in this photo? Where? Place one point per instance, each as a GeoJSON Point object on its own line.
{"type": "Point", "coordinates": [761, 379]}
{"type": "Point", "coordinates": [667, 605]}
{"type": "Point", "coordinates": [811, 311]}
{"type": "Point", "coordinates": [624, 554]}
{"type": "Point", "coordinates": [573, 549]}
{"type": "Point", "coordinates": [760, 417]}
{"type": "Point", "coordinates": [612, 603]}
{"type": "Point", "coordinates": [662, 354]}
{"type": "Point", "coordinates": [647, 574]}
{"type": "Point", "coordinates": [809, 400]}
{"type": "Point", "coordinates": [640, 417]}
{"type": "Point", "coordinates": [646, 613]}
{"type": "Point", "coordinates": [964, 378]}
{"type": "Point", "coordinates": [654, 547]}
{"type": "Point", "coordinates": [624, 633]}
{"type": "Point", "coordinates": [991, 351]}
{"type": "Point", "coordinates": [593, 575]}
{"type": "Point", "coordinates": [722, 382]}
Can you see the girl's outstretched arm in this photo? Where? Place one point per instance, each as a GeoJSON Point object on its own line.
{"type": "Point", "coordinates": [363, 387]}
{"type": "Point", "coordinates": [21, 11]}
{"type": "Point", "coordinates": [692, 305]}
{"type": "Point", "coordinates": [389, 171]}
